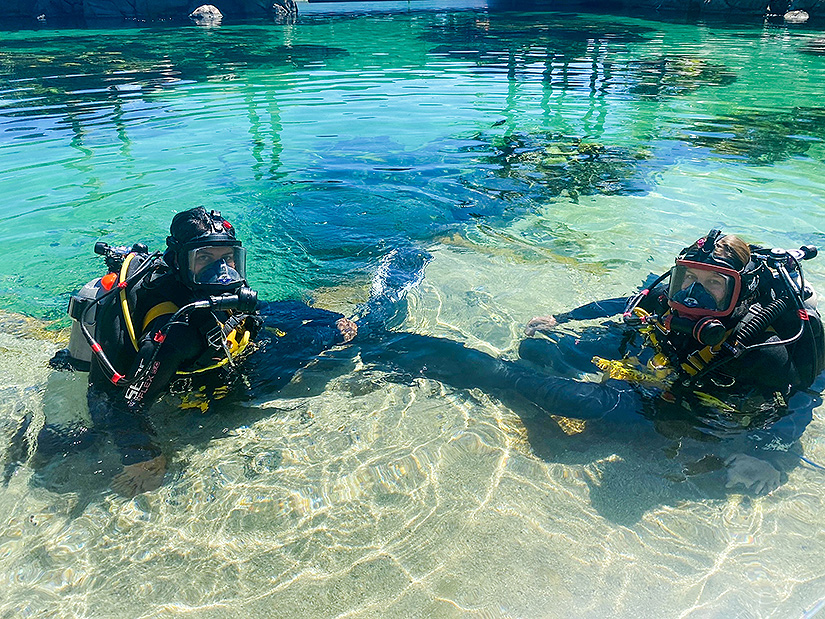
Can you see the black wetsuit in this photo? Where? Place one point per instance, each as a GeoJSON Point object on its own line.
{"type": "Point", "coordinates": [186, 364]}
{"type": "Point", "coordinates": [767, 398]}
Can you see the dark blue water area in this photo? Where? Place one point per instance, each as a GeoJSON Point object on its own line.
{"type": "Point", "coordinates": [334, 140]}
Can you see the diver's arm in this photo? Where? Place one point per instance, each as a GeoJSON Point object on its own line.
{"type": "Point", "coordinates": [305, 326]}
{"type": "Point", "coordinates": [119, 411]}
{"type": "Point", "coordinates": [459, 366]}
{"type": "Point", "coordinates": [293, 313]}
{"type": "Point", "coordinates": [652, 300]}
{"type": "Point", "coordinates": [597, 309]}
{"type": "Point", "coordinates": [294, 336]}
{"type": "Point", "coordinates": [156, 364]}
{"type": "Point", "coordinates": [590, 311]}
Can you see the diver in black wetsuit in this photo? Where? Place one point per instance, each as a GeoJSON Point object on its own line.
{"type": "Point", "coordinates": [731, 347]}
{"type": "Point", "coordinates": [182, 325]}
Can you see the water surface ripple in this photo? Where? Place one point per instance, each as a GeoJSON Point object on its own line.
{"type": "Point", "coordinates": [544, 160]}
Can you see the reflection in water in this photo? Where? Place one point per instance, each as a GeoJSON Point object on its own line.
{"type": "Point", "coordinates": [572, 54]}
{"type": "Point", "coordinates": [760, 137]}
{"type": "Point", "coordinates": [542, 159]}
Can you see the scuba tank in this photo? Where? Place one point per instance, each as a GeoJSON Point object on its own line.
{"type": "Point", "coordinates": [782, 292]}
{"type": "Point", "coordinates": [79, 353]}
{"type": "Point", "coordinates": [83, 344]}
{"type": "Point", "coordinates": [83, 308]}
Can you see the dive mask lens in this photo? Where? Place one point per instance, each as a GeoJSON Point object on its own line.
{"type": "Point", "coordinates": [220, 265]}
{"type": "Point", "coordinates": [695, 296]}
{"type": "Point", "coordinates": [698, 289]}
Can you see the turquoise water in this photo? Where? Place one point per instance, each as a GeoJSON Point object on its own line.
{"type": "Point", "coordinates": [544, 160]}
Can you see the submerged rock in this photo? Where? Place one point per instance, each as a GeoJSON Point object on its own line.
{"type": "Point", "coordinates": [560, 165]}
{"type": "Point", "coordinates": [760, 137]}
{"type": "Point", "coordinates": [206, 15]}
{"type": "Point", "coordinates": [675, 75]}
{"type": "Point", "coordinates": [796, 17]}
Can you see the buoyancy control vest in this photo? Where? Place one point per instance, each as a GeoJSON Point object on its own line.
{"type": "Point", "coordinates": [782, 312]}
{"type": "Point", "coordinates": [138, 289]}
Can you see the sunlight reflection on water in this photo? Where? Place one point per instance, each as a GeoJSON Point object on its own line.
{"type": "Point", "coordinates": [544, 160]}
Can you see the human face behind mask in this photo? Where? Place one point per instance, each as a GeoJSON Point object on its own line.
{"type": "Point", "coordinates": [698, 290]}
{"type": "Point", "coordinates": [715, 284]}
{"type": "Point", "coordinates": [217, 264]}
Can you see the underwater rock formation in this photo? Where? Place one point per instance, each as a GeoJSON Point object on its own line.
{"type": "Point", "coordinates": [555, 165]}
{"type": "Point", "coordinates": [760, 138]}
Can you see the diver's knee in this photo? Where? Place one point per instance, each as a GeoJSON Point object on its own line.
{"type": "Point", "coordinates": [536, 350]}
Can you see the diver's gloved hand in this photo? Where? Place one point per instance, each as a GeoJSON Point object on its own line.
{"type": "Point", "coordinates": [539, 323]}
{"type": "Point", "coordinates": [752, 473]}
{"type": "Point", "coordinates": [140, 477]}
{"type": "Point", "coordinates": [347, 328]}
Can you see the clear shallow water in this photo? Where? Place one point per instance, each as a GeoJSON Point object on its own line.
{"type": "Point", "coordinates": [544, 160]}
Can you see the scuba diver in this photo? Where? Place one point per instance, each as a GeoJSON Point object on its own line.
{"type": "Point", "coordinates": [181, 325]}
{"type": "Point", "coordinates": [728, 343]}
{"type": "Point", "coordinates": [729, 340]}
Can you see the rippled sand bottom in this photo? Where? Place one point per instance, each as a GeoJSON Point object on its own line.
{"type": "Point", "coordinates": [353, 494]}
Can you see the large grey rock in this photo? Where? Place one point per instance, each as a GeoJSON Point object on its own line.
{"type": "Point", "coordinates": [796, 17]}
{"type": "Point", "coordinates": [206, 15]}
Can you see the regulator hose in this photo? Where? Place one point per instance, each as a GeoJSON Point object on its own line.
{"type": "Point", "coordinates": [761, 320]}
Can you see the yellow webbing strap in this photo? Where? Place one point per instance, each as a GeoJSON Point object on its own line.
{"type": "Point", "coordinates": [699, 359]}
{"type": "Point", "coordinates": [214, 366]}
{"type": "Point", "coordinates": [235, 349]}
{"type": "Point", "coordinates": [161, 309]}
{"type": "Point", "coordinates": [124, 303]}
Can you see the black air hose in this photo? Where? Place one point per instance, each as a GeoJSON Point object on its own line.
{"type": "Point", "coordinates": [758, 321]}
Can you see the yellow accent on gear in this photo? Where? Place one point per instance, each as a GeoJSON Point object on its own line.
{"type": "Point", "coordinates": [195, 399]}
{"type": "Point", "coordinates": [625, 369]}
{"type": "Point", "coordinates": [161, 309]}
{"type": "Point", "coordinates": [236, 348]}
{"type": "Point", "coordinates": [124, 303]}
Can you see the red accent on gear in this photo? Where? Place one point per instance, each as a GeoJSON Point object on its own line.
{"type": "Point", "coordinates": [159, 337]}
{"type": "Point", "coordinates": [97, 347]}
{"type": "Point", "coordinates": [803, 314]}
{"type": "Point", "coordinates": [116, 378]}
{"type": "Point", "coordinates": [108, 280]}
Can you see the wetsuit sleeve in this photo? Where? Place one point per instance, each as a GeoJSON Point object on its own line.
{"type": "Point", "coordinates": [597, 309]}
{"type": "Point", "coordinates": [299, 325]}
{"type": "Point", "coordinates": [652, 301]}
{"type": "Point", "coordinates": [294, 334]}
{"type": "Point", "coordinates": [464, 368]}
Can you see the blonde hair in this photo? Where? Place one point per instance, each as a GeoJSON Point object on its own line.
{"type": "Point", "coordinates": [734, 249]}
